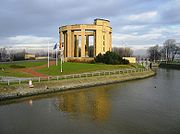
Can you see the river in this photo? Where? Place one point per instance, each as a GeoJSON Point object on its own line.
{"type": "Point", "coordinates": [147, 106]}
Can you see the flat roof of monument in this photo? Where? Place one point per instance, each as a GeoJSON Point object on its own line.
{"type": "Point", "coordinates": [101, 19]}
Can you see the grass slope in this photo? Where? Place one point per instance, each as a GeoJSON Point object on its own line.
{"type": "Point", "coordinates": [10, 69]}
{"type": "Point", "coordinates": [23, 63]}
{"type": "Point", "coordinates": [73, 68]}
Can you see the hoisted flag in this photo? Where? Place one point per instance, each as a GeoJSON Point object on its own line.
{"type": "Point", "coordinates": [55, 46]}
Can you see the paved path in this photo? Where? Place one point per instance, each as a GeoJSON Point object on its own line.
{"type": "Point", "coordinates": [32, 70]}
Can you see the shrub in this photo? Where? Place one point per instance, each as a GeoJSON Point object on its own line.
{"type": "Point", "coordinates": [124, 61]}
{"type": "Point", "coordinates": [99, 58]}
{"type": "Point", "coordinates": [110, 58]}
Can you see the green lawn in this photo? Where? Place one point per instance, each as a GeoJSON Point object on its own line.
{"type": "Point", "coordinates": [11, 70]}
{"type": "Point", "coordinates": [135, 65]}
{"type": "Point", "coordinates": [23, 63]}
{"type": "Point", "coordinates": [73, 68]}
{"type": "Point", "coordinates": [68, 68]}
{"type": "Point", "coordinates": [13, 73]}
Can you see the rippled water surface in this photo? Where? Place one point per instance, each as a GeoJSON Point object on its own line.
{"type": "Point", "coordinates": [148, 106]}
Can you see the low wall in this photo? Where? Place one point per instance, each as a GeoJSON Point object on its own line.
{"type": "Point", "coordinates": [72, 84]}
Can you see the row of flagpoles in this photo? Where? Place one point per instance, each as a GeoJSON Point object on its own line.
{"type": "Point", "coordinates": [56, 50]}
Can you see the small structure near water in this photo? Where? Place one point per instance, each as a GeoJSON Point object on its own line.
{"type": "Point", "coordinates": [130, 59]}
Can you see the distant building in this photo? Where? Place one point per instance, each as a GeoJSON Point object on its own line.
{"type": "Point", "coordinates": [29, 56]}
{"type": "Point", "coordinates": [41, 58]}
{"type": "Point", "coordinates": [177, 56]}
{"type": "Point", "coordinates": [130, 59]}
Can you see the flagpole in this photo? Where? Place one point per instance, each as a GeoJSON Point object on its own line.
{"type": "Point", "coordinates": [56, 58]}
{"type": "Point", "coordinates": [61, 64]}
{"type": "Point", "coordinates": [48, 55]}
{"type": "Point", "coordinates": [61, 59]}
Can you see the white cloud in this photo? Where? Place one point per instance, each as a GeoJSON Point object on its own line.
{"type": "Point", "coordinates": [29, 39]}
{"type": "Point", "coordinates": [143, 16]}
{"type": "Point", "coordinates": [135, 37]}
{"type": "Point", "coordinates": [133, 27]}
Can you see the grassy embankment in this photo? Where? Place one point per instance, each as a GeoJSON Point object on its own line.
{"type": "Point", "coordinates": [14, 69]}
{"type": "Point", "coordinates": [16, 91]}
{"type": "Point", "coordinates": [170, 65]}
{"type": "Point", "coordinates": [74, 68]}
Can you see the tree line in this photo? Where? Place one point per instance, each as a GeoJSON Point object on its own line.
{"type": "Point", "coordinates": [123, 51]}
{"type": "Point", "coordinates": [167, 52]}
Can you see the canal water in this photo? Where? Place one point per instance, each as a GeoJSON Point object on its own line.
{"type": "Point", "coordinates": [147, 106]}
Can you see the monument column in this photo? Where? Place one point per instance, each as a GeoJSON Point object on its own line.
{"type": "Point", "coordinates": [72, 43]}
{"type": "Point", "coordinates": [68, 43]}
{"type": "Point", "coordinates": [82, 42]}
{"type": "Point", "coordinates": [87, 45]}
{"type": "Point", "coordinates": [94, 54]}
{"type": "Point", "coordinates": [60, 41]}
{"type": "Point", "coordinates": [65, 44]}
{"type": "Point", "coordinates": [76, 47]}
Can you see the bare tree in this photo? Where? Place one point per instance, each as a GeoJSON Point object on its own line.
{"type": "Point", "coordinates": [170, 49]}
{"type": "Point", "coordinates": [154, 53]}
{"type": "Point", "coordinates": [123, 52]}
{"type": "Point", "coordinates": [128, 52]}
{"type": "Point", "coordinates": [4, 55]}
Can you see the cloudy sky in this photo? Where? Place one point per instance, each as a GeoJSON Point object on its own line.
{"type": "Point", "coordinates": [136, 23]}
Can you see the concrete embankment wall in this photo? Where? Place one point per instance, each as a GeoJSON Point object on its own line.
{"type": "Point", "coordinates": [71, 84]}
{"type": "Point", "coordinates": [172, 66]}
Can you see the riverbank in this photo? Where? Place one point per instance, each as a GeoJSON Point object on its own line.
{"type": "Point", "coordinates": [169, 65]}
{"type": "Point", "coordinates": [19, 91]}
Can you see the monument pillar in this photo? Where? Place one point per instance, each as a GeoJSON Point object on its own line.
{"type": "Point", "coordinates": [87, 45]}
{"type": "Point", "coordinates": [72, 43]}
{"type": "Point", "coordinates": [82, 42]}
{"type": "Point", "coordinates": [60, 44]}
{"type": "Point", "coordinates": [69, 43]}
{"type": "Point", "coordinates": [76, 47]}
{"type": "Point", "coordinates": [94, 53]}
{"type": "Point", "coordinates": [65, 44]}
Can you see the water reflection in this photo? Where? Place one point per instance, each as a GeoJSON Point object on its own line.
{"type": "Point", "coordinates": [94, 104]}
{"type": "Point", "coordinates": [30, 102]}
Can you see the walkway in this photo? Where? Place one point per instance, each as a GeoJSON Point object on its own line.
{"type": "Point", "coordinates": [32, 70]}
